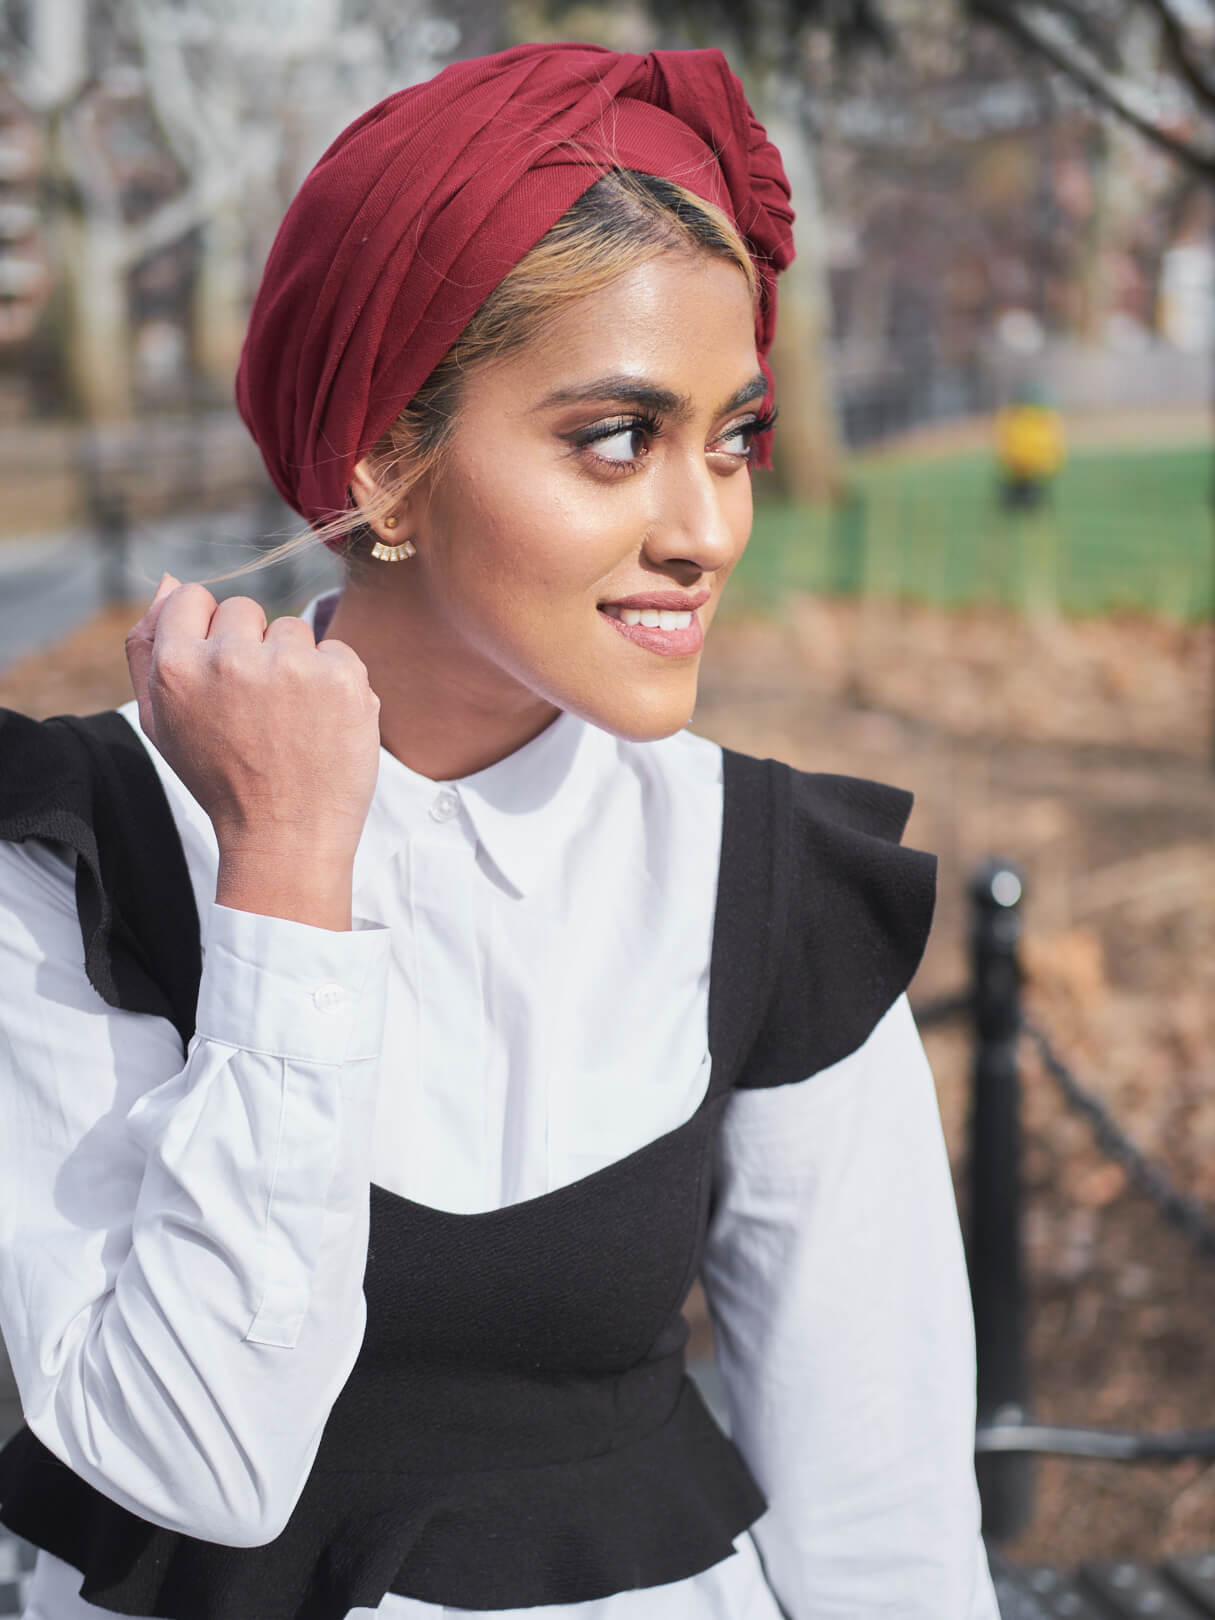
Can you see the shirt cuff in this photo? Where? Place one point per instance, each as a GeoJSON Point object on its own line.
{"type": "Point", "coordinates": [293, 991]}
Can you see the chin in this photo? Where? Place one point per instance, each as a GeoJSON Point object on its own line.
{"type": "Point", "coordinates": [645, 718]}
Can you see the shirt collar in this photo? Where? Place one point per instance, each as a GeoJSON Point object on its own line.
{"type": "Point", "coordinates": [524, 809]}
{"type": "Point", "coordinates": [527, 808]}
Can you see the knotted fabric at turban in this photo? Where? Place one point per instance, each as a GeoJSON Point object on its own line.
{"type": "Point", "coordinates": [420, 208]}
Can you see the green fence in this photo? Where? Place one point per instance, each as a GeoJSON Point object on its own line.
{"type": "Point", "coordinates": [1121, 529]}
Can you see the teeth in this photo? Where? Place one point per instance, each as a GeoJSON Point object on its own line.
{"type": "Point", "coordinates": [652, 618]}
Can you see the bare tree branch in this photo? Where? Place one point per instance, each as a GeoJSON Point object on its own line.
{"type": "Point", "coordinates": [173, 220]}
{"type": "Point", "coordinates": [1181, 49]}
{"type": "Point", "coordinates": [1096, 36]}
{"type": "Point", "coordinates": [1094, 83]}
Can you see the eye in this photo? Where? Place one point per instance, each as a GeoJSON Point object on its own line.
{"type": "Point", "coordinates": [619, 445]}
{"type": "Point", "coordinates": [625, 444]}
{"type": "Point", "coordinates": [739, 439]}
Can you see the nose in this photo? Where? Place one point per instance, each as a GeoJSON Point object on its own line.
{"type": "Point", "coordinates": [700, 519]}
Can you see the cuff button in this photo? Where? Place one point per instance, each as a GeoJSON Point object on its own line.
{"type": "Point", "coordinates": [328, 998]}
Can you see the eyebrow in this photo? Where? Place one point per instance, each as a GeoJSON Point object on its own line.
{"type": "Point", "coordinates": [625, 390]}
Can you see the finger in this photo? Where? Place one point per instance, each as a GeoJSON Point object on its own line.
{"type": "Point", "coordinates": [341, 652]}
{"type": "Point", "coordinates": [186, 613]}
{"type": "Point", "coordinates": [343, 657]}
{"type": "Point", "coordinates": [287, 629]}
{"type": "Point", "coordinates": [238, 618]}
{"type": "Point", "coordinates": [142, 634]}
{"type": "Point", "coordinates": [145, 625]}
{"type": "Point", "coordinates": [168, 584]}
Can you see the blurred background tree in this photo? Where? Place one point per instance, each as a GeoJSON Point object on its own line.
{"type": "Point", "coordinates": [148, 149]}
{"type": "Point", "coordinates": [771, 44]}
{"type": "Point", "coordinates": [995, 199]}
{"type": "Point", "coordinates": [968, 210]}
{"type": "Point", "coordinates": [171, 138]}
{"type": "Point", "coordinates": [1149, 62]}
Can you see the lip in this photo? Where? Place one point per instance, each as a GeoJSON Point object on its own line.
{"type": "Point", "coordinates": [684, 643]}
{"type": "Point", "coordinates": [673, 601]}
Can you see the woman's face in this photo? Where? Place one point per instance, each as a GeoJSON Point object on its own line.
{"type": "Point", "coordinates": [595, 496]}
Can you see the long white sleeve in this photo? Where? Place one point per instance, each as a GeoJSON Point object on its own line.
{"type": "Point", "coordinates": [837, 1284]}
{"type": "Point", "coordinates": [182, 1238]}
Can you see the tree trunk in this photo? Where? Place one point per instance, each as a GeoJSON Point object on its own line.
{"type": "Point", "coordinates": [96, 278]}
{"type": "Point", "coordinates": [55, 63]}
{"type": "Point", "coordinates": [221, 299]}
{"type": "Point", "coordinates": [808, 454]}
{"type": "Point", "coordinates": [1093, 278]}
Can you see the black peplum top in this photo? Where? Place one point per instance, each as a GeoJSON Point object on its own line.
{"type": "Point", "coordinates": [518, 1428]}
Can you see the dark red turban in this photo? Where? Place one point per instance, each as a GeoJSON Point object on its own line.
{"type": "Point", "coordinates": [418, 210]}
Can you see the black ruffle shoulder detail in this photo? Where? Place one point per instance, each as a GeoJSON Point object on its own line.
{"type": "Point", "coordinates": [849, 916]}
{"type": "Point", "coordinates": [87, 782]}
{"type": "Point", "coordinates": [518, 1429]}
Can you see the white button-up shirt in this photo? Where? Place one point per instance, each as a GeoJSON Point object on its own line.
{"type": "Point", "coordinates": [523, 1000]}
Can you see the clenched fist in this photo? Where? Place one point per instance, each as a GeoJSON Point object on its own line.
{"type": "Point", "coordinates": [276, 736]}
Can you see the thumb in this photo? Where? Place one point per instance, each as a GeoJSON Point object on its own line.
{"type": "Point", "coordinates": [168, 583]}
{"type": "Point", "coordinates": [141, 639]}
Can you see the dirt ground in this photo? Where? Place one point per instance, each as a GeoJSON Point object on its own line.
{"type": "Point", "coordinates": [1083, 752]}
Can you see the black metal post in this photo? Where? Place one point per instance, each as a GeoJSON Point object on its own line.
{"type": "Point", "coordinates": [997, 1281]}
{"type": "Point", "coordinates": [105, 510]}
{"type": "Point", "coordinates": [1211, 613]}
{"type": "Point", "coordinates": [113, 540]}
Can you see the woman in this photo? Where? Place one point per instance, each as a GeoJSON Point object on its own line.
{"type": "Point", "coordinates": [343, 1260]}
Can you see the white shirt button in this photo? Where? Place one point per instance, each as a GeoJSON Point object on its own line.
{"type": "Point", "coordinates": [446, 805]}
{"type": "Point", "coordinates": [328, 998]}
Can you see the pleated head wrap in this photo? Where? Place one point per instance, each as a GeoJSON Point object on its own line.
{"type": "Point", "coordinates": [420, 208]}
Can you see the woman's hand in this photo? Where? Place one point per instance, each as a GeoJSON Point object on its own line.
{"type": "Point", "coordinates": [277, 738]}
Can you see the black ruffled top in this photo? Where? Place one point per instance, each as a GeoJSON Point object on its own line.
{"type": "Point", "coordinates": [518, 1429]}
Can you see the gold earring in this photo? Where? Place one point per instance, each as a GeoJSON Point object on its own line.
{"type": "Point", "coordinates": [383, 553]}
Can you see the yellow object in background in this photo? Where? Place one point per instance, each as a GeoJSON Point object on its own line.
{"type": "Point", "coordinates": [1030, 442]}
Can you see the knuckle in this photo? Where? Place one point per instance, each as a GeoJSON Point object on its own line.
{"type": "Point", "coordinates": [289, 669]}
{"type": "Point", "coordinates": [349, 662]}
{"type": "Point", "coordinates": [237, 659]}
{"type": "Point", "coordinates": [192, 591]}
{"type": "Point", "coordinates": [353, 673]}
{"type": "Point", "coordinates": [341, 680]}
{"type": "Point", "coordinates": [170, 660]}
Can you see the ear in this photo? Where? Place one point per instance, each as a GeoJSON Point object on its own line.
{"type": "Point", "coordinates": [369, 494]}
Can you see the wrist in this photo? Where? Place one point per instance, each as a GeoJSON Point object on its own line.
{"type": "Point", "coordinates": [299, 883]}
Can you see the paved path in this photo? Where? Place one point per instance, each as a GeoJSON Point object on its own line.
{"type": "Point", "coordinates": [47, 587]}
{"type": "Point", "coordinates": [16, 1566]}
{"type": "Point", "coordinates": [50, 584]}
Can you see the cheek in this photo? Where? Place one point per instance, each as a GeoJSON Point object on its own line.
{"type": "Point", "coordinates": [739, 508]}
{"type": "Point", "coordinates": [483, 529]}
{"type": "Point", "coordinates": [735, 514]}
{"type": "Point", "coordinates": [541, 542]}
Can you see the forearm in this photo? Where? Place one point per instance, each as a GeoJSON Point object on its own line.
{"type": "Point", "coordinates": [836, 1278]}
{"type": "Point", "coordinates": [183, 1246]}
